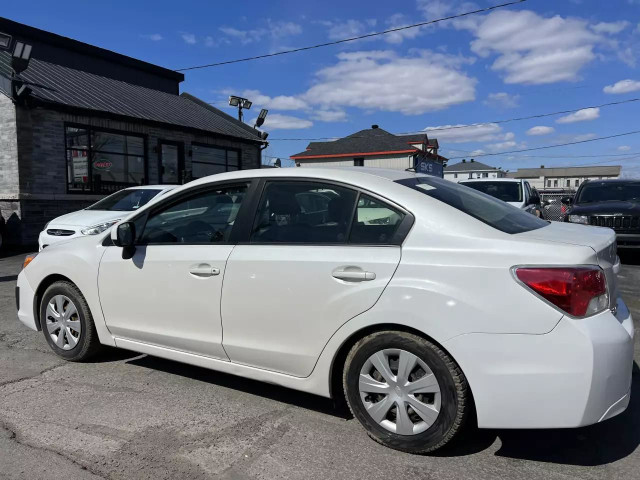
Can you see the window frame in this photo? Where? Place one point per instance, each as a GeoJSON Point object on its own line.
{"type": "Point", "coordinates": [90, 129]}
{"type": "Point", "coordinates": [181, 162]}
{"type": "Point", "coordinates": [397, 239]}
{"type": "Point", "coordinates": [226, 157]}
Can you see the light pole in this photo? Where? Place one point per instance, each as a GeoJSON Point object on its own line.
{"type": "Point", "coordinates": [240, 103]}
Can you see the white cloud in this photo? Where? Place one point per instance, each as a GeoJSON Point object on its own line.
{"type": "Point", "coordinates": [466, 133]}
{"type": "Point", "coordinates": [502, 100]}
{"type": "Point", "coordinates": [610, 28]}
{"type": "Point", "coordinates": [623, 86]}
{"type": "Point", "coordinates": [582, 137]}
{"type": "Point", "coordinates": [155, 37]}
{"type": "Point", "coordinates": [584, 115]}
{"type": "Point", "coordinates": [280, 102]}
{"type": "Point", "coordinates": [277, 121]}
{"type": "Point", "coordinates": [347, 29]}
{"type": "Point", "coordinates": [273, 29]}
{"type": "Point", "coordinates": [540, 130]}
{"type": "Point", "coordinates": [500, 146]}
{"type": "Point", "coordinates": [624, 148]}
{"type": "Point", "coordinates": [329, 115]}
{"type": "Point", "coordinates": [382, 80]}
{"type": "Point", "coordinates": [434, 9]}
{"type": "Point", "coordinates": [533, 49]}
{"type": "Point", "coordinates": [400, 20]}
{"type": "Point", "coordinates": [189, 38]}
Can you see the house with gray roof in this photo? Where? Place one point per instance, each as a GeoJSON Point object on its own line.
{"type": "Point", "coordinates": [375, 147]}
{"type": "Point", "coordinates": [78, 122]}
{"type": "Point", "coordinates": [466, 170]}
{"type": "Point", "coordinates": [563, 178]}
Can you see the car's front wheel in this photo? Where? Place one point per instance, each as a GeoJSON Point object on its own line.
{"type": "Point", "coordinates": [67, 323]}
{"type": "Point", "coordinates": [407, 393]}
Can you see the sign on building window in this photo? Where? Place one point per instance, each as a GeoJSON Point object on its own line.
{"type": "Point", "coordinates": [429, 167]}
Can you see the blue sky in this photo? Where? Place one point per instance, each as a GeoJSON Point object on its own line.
{"type": "Point", "coordinates": [536, 57]}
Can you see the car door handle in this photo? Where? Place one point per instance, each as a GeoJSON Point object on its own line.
{"type": "Point", "coordinates": [204, 270]}
{"type": "Point", "coordinates": [353, 274]}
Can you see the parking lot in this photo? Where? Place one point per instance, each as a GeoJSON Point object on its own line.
{"type": "Point", "coordinates": [135, 416]}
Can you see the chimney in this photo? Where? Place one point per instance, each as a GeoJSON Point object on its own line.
{"type": "Point", "coordinates": [472, 160]}
{"type": "Point", "coordinates": [464, 161]}
{"type": "Point", "coordinates": [374, 126]}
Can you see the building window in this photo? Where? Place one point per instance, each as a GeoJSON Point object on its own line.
{"type": "Point", "coordinates": [485, 175]}
{"type": "Point", "coordinates": [358, 162]}
{"type": "Point", "coordinates": [103, 161]}
{"type": "Point", "coordinates": [555, 183]}
{"type": "Point", "coordinates": [209, 160]}
{"type": "Point", "coordinates": [455, 175]}
{"type": "Point", "coordinates": [577, 182]}
{"type": "Point", "coordinates": [568, 183]}
{"type": "Point", "coordinates": [548, 183]}
{"type": "Point", "coordinates": [471, 175]}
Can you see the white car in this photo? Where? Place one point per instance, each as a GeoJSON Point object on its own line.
{"type": "Point", "coordinates": [457, 302]}
{"type": "Point", "coordinates": [100, 216]}
{"type": "Point", "coordinates": [514, 191]}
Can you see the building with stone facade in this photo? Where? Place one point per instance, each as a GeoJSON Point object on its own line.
{"type": "Point", "coordinates": [80, 122]}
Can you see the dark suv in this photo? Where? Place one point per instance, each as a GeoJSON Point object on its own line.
{"type": "Point", "coordinates": [609, 203]}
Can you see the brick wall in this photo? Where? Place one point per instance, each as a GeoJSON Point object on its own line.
{"type": "Point", "coordinates": [36, 185]}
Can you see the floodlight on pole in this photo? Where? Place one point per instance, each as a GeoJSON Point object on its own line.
{"type": "Point", "coordinates": [261, 118]}
{"type": "Point", "coordinates": [21, 57]}
{"type": "Point", "coordinates": [240, 103]}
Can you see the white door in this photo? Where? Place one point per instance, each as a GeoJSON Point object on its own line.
{"type": "Point", "coordinates": [168, 294]}
{"type": "Point", "coordinates": [307, 270]}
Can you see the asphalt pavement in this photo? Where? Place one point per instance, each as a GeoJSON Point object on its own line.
{"type": "Point", "coordinates": [131, 416]}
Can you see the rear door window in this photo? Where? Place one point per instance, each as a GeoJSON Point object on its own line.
{"type": "Point", "coordinates": [375, 222]}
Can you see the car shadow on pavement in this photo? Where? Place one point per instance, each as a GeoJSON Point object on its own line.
{"type": "Point", "coordinates": [598, 444]}
{"type": "Point", "coordinates": [253, 387]}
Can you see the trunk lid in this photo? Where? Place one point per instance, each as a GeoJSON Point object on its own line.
{"type": "Point", "coordinates": [600, 239]}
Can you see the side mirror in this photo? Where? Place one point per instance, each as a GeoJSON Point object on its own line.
{"type": "Point", "coordinates": [125, 236]}
{"type": "Point", "coordinates": [534, 199]}
{"type": "Point", "coordinates": [567, 200]}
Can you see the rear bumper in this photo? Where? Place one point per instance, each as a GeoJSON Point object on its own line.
{"type": "Point", "coordinates": [24, 301]}
{"type": "Point", "coordinates": [578, 374]}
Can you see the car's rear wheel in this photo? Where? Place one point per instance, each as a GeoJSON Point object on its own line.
{"type": "Point", "coordinates": [67, 323]}
{"type": "Point", "coordinates": [406, 392]}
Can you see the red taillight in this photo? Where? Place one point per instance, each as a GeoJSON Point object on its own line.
{"type": "Point", "coordinates": [563, 209]}
{"type": "Point", "coordinates": [578, 291]}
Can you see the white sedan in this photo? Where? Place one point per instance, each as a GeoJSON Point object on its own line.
{"type": "Point", "coordinates": [100, 216]}
{"type": "Point", "coordinates": [450, 301]}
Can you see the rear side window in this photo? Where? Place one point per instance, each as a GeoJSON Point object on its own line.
{"type": "Point", "coordinates": [304, 212]}
{"type": "Point", "coordinates": [322, 213]}
{"type": "Point", "coordinates": [493, 212]}
{"type": "Point", "coordinates": [375, 222]}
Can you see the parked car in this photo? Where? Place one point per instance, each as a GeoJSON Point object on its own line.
{"type": "Point", "coordinates": [514, 191]}
{"type": "Point", "coordinates": [100, 216]}
{"type": "Point", "coordinates": [613, 203]}
{"type": "Point", "coordinates": [553, 208]}
{"type": "Point", "coordinates": [453, 299]}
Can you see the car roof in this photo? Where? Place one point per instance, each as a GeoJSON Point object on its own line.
{"type": "Point", "coordinates": [612, 180]}
{"type": "Point", "coordinates": [153, 187]}
{"type": "Point", "coordinates": [328, 173]}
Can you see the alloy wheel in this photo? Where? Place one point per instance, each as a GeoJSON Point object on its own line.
{"type": "Point", "coordinates": [399, 391]}
{"type": "Point", "coordinates": [63, 322]}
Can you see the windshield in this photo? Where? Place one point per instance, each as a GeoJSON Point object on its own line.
{"type": "Point", "coordinates": [125, 200]}
{"type": "Point", "coordinates": [496, 213]}
{"type": "Point", "coordinates": [607, 192]}
{"type": "Point", "coordinates": [505, 191]}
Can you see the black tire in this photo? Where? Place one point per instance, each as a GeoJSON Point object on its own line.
{"type": "Point", "coordinates": [88, 343]}
{"type": "Point", "coordinates": [454, 391]}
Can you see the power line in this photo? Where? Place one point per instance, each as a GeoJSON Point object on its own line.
{"type": "Point", "coordinates": [603, 155]}
{"type": "Point", "coordinates": [552, 146]}
{"type": "Point", "coordinates": [470, 125]}
{"type": "Point", "coordinates": [351, 39]}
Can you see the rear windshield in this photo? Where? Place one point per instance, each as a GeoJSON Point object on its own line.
{"type": "Point", "coordinates": [493, 212]}
{"type": "Point", "coordinates": [505, 191]}
{"type": "Point", "coordinates": [125, 200]}
{"type": "Point", "coordinates": [608, 192]}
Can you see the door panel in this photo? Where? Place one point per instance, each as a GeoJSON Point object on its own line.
{"type": "Point", "coordinates": [282, 303]}
{"type": "Point", "coordinates": [171, 162]}
{"type": "Point", "coordinates": [166, 295]}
